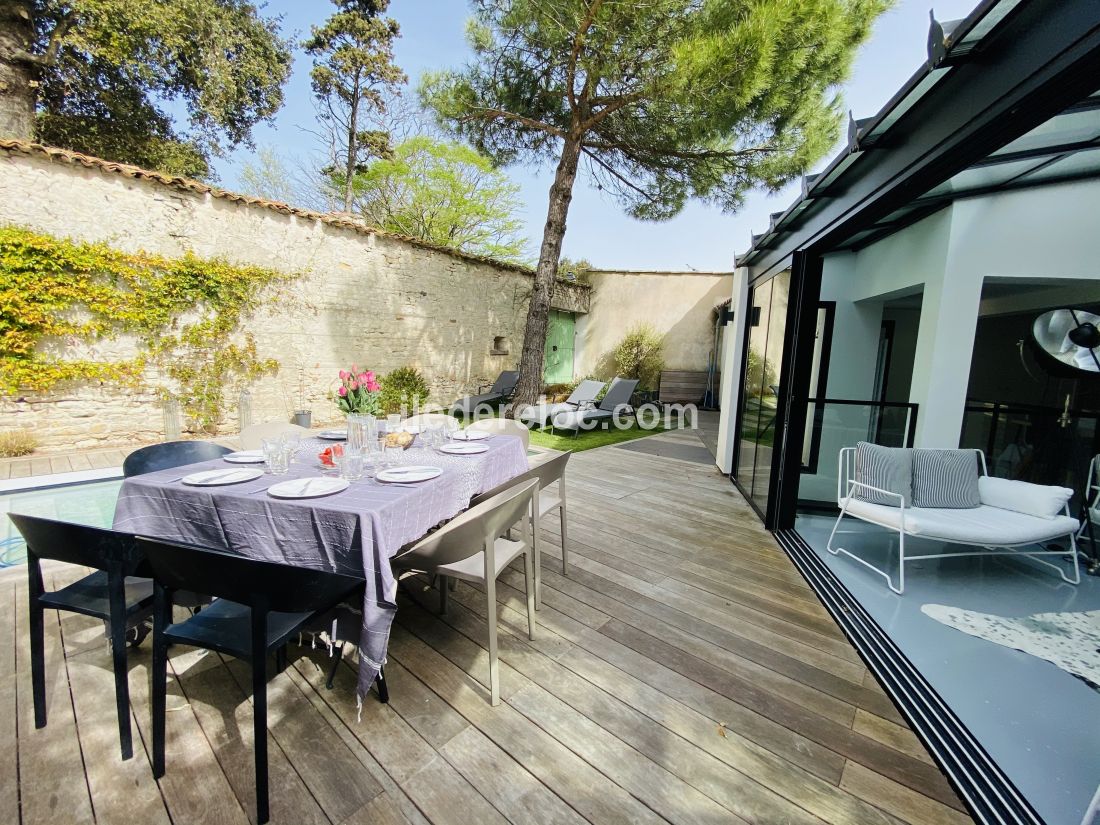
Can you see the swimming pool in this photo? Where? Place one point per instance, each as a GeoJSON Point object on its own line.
{"type": "Point", "coordinates": [92, 503]}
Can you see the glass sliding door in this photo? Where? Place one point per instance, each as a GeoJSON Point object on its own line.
{"type": "Point", "coordinates": [760, 396]}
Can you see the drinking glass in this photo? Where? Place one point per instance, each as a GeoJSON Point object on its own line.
{"type": "Point", "coordinates": [393, 423]}
{"type": "Point", "coordinates": [355, 431]}
{"type": "Point", "coordinates": [293, 443]}
{"type": "Point", "coordinates": [393, 456]}
{"type": "Point", "coordinates": [351, 464]}
{"type": "Point", "coordinates": [276, 456]}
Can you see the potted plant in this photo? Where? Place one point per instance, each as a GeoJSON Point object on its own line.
{"type": "Point", "coordinates": [358, 392]}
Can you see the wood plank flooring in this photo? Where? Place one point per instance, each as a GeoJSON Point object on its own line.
{"type": "Point", "coordinates": [37, 465]}
{"type": "Point", "coordinates": [682, 673]}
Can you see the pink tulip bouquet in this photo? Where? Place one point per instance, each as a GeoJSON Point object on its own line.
{"type": "Point", "coordinates": [359, 392]}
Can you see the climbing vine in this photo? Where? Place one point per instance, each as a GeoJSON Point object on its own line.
{"type": "Point", "coordinates": [184, 312]}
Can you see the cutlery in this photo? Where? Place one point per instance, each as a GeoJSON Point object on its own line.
{"type": "Point", "coordinates": [261, 490]}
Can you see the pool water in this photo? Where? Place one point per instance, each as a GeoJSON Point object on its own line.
{"type": "Point", "coordinates": [92, 503]}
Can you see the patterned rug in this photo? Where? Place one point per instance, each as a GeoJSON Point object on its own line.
{"type": "Point", "coordinates": [1069, 640]}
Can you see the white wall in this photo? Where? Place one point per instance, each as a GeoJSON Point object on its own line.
{"type": "Point", "coordinates": [733, 353]}
{"type": "Point", "coordinates": [679, 305]}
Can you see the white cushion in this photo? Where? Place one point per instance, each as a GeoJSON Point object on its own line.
{"type": "Point", "coordinates": [1023, 496]}
{"type": "Point", "coordinates": [976, 525]}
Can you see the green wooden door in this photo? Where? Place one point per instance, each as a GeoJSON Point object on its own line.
{"type": "Point", "coordinates": [558, 366]}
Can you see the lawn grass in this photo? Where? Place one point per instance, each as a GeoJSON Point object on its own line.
{"type": "Point", "coordinates": [587, 439]}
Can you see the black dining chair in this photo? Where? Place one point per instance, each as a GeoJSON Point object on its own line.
{"type": "Point", "coordinates": [112, 593]}
{"type": "Point", "coordinates": [170, 454]}
{"type": "Point", "coordinates": [260, 605]}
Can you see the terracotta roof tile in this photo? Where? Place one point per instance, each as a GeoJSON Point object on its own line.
{"type": "Point", "coordinates": [343, 221]}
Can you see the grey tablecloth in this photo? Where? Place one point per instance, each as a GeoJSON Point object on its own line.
{"type": "Point", "coordinates": [356, 531]}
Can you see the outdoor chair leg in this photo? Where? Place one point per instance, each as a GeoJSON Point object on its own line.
{"type": "Point", "coordinates": [339, 657]}
{"type": "Point", "coordinates": [564, 539]}
{"type": "Point", "coordinates": [280, 659]}
{"type": "Point", "coordinates": [536, 552]}
{"type": "Point", "coordinates": [383, 691]}
{"type": "Point", "coordinates": [1093, 567]}
{"type": "Point", "coordinates": [117, 599]}
{"type": "Point", "coordinates": [443, 588]}
{"type": "Point", "coordinates": [529, 583]}
{"type": "Point", "coordinates": [38, 645]}
{"type": "Point", "coordinates": [491, 617]}
{"type": "Point", "coordinates": [162, 617]}
{"type": "Point", "coordinates": [259, 710]}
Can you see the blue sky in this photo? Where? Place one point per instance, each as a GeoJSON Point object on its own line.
{"type": "Point", "coordinates": [700, 237]}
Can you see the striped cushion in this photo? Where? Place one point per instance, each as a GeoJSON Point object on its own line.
{"type": "Point", "coordinates": [887, 468]}
{"type": "Point", "coordinates": [945, 478]}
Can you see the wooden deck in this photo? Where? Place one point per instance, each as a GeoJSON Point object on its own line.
{"type": "Point", "coordinates": [683, 673]}
{"type": "Point", "coordinates": [41, 465]}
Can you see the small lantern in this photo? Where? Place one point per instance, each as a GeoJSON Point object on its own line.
{"type": "Point", "coordinates": [172, 428]}
{"type": "Point", "coordinates": [244, 409]}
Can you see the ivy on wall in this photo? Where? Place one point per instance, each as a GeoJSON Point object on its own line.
{"type": "Point", "coordinates": [184, 312]}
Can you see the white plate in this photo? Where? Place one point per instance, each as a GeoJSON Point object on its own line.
{"type": "Point", "coordinates": [403, 475]}
{"type": "Point", "coordinates": [333, 435]}
{"type": "Point", "coordinates": [307, 487]}
{"type": "Point", "coordinates": [464, 449]}
{"type": "Point", "coordinates": [245, 457]}
{"type": "Point", "coordinates": [216, 478]}
{"type": "Point", "coordinates": [470, 435]}
{"type": "Point", "coordinates": [412, 429]}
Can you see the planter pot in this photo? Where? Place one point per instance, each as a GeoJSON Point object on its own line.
{"type": "Point", "coordinates": [303, 418]}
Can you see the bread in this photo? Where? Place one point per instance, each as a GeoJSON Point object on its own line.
{"type": "Point", "coordinates": [402, 439]}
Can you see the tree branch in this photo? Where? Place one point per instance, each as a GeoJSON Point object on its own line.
{"type": "Point", "coordinates": [683, 154]}
{"type": "Point", "coordinates": [575, 53]}
{"type": "Point", "coordinates": [616, 103]}
{"type": "Point", "coordinates": [623, 180]}
{"type": "Point", "coordinates": [485, 113]}
{"type": "Point", "coordinates": [48, 57]}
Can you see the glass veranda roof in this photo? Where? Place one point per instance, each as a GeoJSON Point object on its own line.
{"type": "Point", "coordinates": [1064, 148]}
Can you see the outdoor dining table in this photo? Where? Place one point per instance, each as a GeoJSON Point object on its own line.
{"type": "Point", "coordinates": [355, 532]}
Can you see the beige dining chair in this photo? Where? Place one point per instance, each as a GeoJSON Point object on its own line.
{"type": "Point", "coordinates": [472, 547]}
{"type": "Point", "coordinates": [544, 502]}
{"type": "Point", "coordinates": [252, 438]}
{"type": "Point", "coordinates": [503, 426]}
{"type": "Point", "coordinates": [433, 420]}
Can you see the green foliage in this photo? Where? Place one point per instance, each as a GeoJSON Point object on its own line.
{"type": "Point", "coordinates": [111, 71]}
{"type": "Point", "coordinates": [443, 193]}
{"type": "Point", "coordinates": [14, 443]}
{"type": "Point", "coordinates": [353, 70]}
{"type": "Point", "coordinates": [269, 178]}
{"type": "Point", "coordinates": [578, 269]}
{"type": "Point", "coordinates": [668, 99]}
{"type": "Point", "coordinates": [759, 375]}
{"type": "Point", "coordinates": [638, 356]}
{"type": "Point", "coordinates": [184, 312]}
{"type": "Point", "coordinates": [404, 389]}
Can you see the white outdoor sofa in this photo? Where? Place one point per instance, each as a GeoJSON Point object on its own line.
{"type": "Point", "coordinates": [992, 526]}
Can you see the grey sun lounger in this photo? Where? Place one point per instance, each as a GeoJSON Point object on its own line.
{"type": "Point", "coordinates": [539, 415]}
{"type": "Point", "coordinates": [501, 390]}
{"type": "Point", "coordinates": [616, 398]}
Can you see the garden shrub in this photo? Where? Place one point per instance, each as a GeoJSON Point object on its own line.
{"type": "Point", "coordinates": [14, 443]}
{"type": "Point", "coordinates": [403, 390]}
{"type": "Point", "coordinates": [639, 356]}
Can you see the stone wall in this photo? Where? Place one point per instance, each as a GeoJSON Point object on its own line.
{"type": "Point", "coordinates": [679, 305]}
{"type": "Point", "coordinates": [364, 297]}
